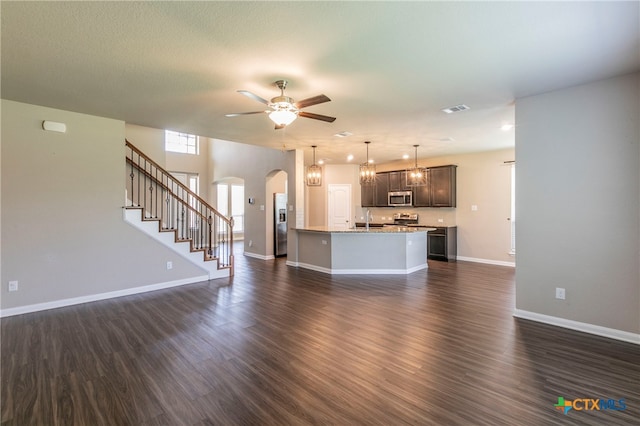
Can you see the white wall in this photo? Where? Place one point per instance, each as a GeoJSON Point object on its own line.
{"type": "Point", "coordinates": [63, 233]}
{"type": "Point", "coordinates": [253, 164]}
{"type": "Point", "coordinates": [317, 196]}
{"type": "Point", "coordinates": [578, 197]}
{"type": "Point", "coordinates": [148, 140]}
{"type": "Point", "coordinates": [151, 142]}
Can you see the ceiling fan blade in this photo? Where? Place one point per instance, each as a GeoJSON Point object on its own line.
{"type": "Point", "coordinates": [311, 101]}
{"type": "Point", "coordinates": [235, 114]}
{"type": "Point", "coordinates": [280, 126]}
{"type": "Point", "coordinates": [316, 116]}
{"type": "Point", "coordinates": [253, 96]}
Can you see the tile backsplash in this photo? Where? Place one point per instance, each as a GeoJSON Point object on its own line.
{"type": "Point", "coordinates": [426, 216]}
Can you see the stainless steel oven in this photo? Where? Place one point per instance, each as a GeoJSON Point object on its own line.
{"type": "Point", "coordinates": [400, 198]}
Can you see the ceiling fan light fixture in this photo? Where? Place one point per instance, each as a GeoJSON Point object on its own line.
{"type": "Point", "coordinates": [283, 116]}
{"type": "Point", "coordinates": [284, 110]}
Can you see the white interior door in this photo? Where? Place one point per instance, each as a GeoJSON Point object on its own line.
{"type": "Point", "coordinates": [339, 206]}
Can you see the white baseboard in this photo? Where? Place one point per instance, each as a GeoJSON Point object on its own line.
{"type": "Point", "coordinates": [101, 296]}
{"type": "Point", "coordinates": [313, 267]}
{"type": "Point", "coordinates": [259, 256]}
{"type": "Point", "coordinates": [487, 261]}
{"type": "Point", "coordinates": [611, 333]}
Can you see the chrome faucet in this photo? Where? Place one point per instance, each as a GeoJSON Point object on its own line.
{"type": "Point", "coordinates": [367, 221]}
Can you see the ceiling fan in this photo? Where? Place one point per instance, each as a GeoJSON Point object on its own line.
{"type": "Point", "coordinates": [283, 108]}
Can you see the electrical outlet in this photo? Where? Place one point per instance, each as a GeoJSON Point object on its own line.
{"type": "Point", "coordinates": [440, 220]}
{"type": "Point", "coordinates": [560, 293]}
{"type": "Point", "coordinates": [13, 285]}
{"type": "Point", "coordinates": [474, 208]}
{"type": "Point", "coordinates": [169, 265]}
{"type": "Point", "coordinates": [324, 242]}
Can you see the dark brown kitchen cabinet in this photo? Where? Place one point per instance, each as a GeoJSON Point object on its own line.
{"type": "Point", "coordinates": [382, 189]}
{"type": "Point", "coordinates": [442, 185]}
{"type": "Point", "coordinates": [440, 190]}
{"type": "Point", "coordinates": [422, 194]}
{"type": "Point", "coordinates": [398, 181]}
{"type": "Point", "coordinates": [368, 195]}
{"type": "Point", "coordinates": [442, 244]}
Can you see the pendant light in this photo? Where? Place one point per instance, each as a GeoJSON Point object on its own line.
{"type": "Point", "coordinates": [367, 170]}
{"type": "Point", "coordinates": [416, 176]}
{"type": "Point", "coordinates": [314, 172]}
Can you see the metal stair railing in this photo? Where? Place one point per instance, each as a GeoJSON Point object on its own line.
{"type": "Point", "coordinates": [162, 197]}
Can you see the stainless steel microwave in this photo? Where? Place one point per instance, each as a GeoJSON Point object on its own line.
{"type": "Point", "coordinates": [400, 198]}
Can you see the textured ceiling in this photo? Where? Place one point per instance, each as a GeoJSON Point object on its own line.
{"type": "Point", "coordinates": [389, 67]}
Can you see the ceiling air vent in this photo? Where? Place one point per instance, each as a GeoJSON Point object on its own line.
{"type": "Point", "coordinates": [457, 108]}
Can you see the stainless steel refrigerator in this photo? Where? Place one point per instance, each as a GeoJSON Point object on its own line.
{"type": "Point", "coordinates": [280, 224]}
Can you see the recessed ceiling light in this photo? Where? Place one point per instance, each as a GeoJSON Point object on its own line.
{"type": "Point", "coordinates": [371, 161]}
{"type": "Point", "coordinates": [446, 139]}
{"type": "Point", "coordinates": [349, 157]}
{"type": "Point", "coordinates": [456, 108]}
{"type": "Point", "coordinates": [506, 127]}
{"type": "Point", "coordinates": [343, 134]}
{"type": "Point", "coordinates": [321, 161]}
{"type": "Point", "coordinates": [405, 156]}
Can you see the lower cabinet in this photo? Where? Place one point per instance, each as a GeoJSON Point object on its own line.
{"type": "Point", "coordinates": [442, 244]}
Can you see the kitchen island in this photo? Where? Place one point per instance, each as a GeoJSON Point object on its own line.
{"type": "Point", "coordinates": [384, 250]}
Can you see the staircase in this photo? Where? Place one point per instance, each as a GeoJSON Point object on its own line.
{"type": "Point", "coordinates": [165, 209]}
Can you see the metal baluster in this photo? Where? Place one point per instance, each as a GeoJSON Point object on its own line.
{"type": "Point", "coordinates": [183, 224]}
{"type": "Point", "coordinates": [167, 211]}
{"type": "Point", "coordinates": [138, 193]}
{"type": "Point", "coordinates": [132, 175]}
{"type": "Point", "coordinates": [144, 202]}
{"type": "Point", "coordinates": [209, 222]}
{"type": "Point", "coordinates": [157, 189]}
{"type": "Point", "coordinates": [150, 198]}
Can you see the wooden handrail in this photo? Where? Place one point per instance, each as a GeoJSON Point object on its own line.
{"type": "Point", "coordinates": [180, 184]}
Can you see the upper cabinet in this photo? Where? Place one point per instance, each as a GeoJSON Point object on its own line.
{"type": "Point", "coordinates": [440, 190]}
{"type": "Point", "coordinates": [382, 189]}
{"type": "Point", "coordinates": [422, 194]}
{"type": "Point", "coordinates": [398, 181]}
{"type": "Point", "coordinates": [442, 184]}
{"type": "Point", "coordinates": [368, 195]}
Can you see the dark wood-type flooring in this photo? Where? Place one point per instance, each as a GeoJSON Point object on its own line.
{"type": "Point", "coordinates": [276, 345]}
